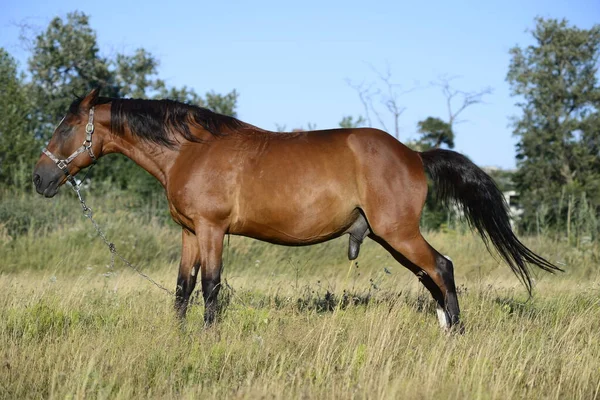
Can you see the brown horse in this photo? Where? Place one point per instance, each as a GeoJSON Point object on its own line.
{"type": "Point", "coordinates": [223, 176]}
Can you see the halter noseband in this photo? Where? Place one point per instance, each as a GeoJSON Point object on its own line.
{"type": "Point", "coordinates": [86, 146]}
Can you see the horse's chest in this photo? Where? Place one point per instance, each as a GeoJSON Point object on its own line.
{"type": "Point", "coordinates": [181, 218]}
{"type": "Point", "coordinates": [189, 207]}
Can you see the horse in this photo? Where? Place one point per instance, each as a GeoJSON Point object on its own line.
{"type": "Point", "coordinates": [224, 176]}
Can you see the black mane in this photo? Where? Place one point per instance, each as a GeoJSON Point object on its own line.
{"type": "Point", "coordinates": [157, 120]}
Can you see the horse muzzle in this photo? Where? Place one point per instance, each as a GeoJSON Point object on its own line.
{"type": "Point", "coordinates": [47, 180]}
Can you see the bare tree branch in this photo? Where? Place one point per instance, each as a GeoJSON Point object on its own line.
{"type": "Point", "coordinates": [364, 96]}
{"type": "Point", "coordinates": [388, 96]}
{"type": "Point", "coordinates": [377, 114]}
{"type": "Point", "coordinates": [390, 101]}
{"type": "Point", "coordinates": [27, 34]}
{"type": "Point", "coordinates": [467, 98]}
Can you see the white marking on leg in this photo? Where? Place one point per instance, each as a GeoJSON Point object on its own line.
{"type": "Point", "coordinates": [442, 318]}
{"type": "Point", "coordinates": [193, 271]}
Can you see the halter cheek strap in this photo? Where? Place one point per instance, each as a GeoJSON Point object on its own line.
{"type": "Point", "coordinates": [86, 146]}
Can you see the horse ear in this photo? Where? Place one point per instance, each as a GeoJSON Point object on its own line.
{"type": "Point", "coordinates": [89, 100]}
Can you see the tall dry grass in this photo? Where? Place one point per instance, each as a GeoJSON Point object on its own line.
{"type": "Point", "coordinates": [295, 323]}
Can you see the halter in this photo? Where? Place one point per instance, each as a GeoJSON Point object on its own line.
{"type": "Point", "coordinates": [86, 146]}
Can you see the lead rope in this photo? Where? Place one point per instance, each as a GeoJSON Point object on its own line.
{"type": "Point", "coordinates": [88, 213]}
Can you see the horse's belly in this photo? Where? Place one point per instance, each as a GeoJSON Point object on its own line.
{"type": "Point", "coordinates": [293, 226]}
{"type": "Point", "coordinates": [287, 236]}
{"type": "Point", "coordinates": [300, 195]}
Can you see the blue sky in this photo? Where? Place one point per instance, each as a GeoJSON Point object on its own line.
{"type": "Point", "coordinates": [290, 62]}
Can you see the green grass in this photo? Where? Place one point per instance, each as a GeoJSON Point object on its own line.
{"type": "Point", "coordinates": [295, 323]}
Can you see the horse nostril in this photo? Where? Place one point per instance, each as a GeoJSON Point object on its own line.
{"type": "Point", "coordinates": [37, 180]}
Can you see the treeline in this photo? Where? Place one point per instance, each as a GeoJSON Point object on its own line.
{"type": "Point", "coordinates": [558, 153]}
{"type": "Point", "coordinates": [555, 80]}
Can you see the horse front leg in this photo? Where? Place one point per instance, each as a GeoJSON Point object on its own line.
{"type": "Point", "coordinates": [210, 244]}
{"type": "Point", "coordinates": [188, 271]}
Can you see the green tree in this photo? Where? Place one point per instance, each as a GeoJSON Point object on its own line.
{"type": "Point", "coordinates": [134, 76]}
{"type": "Point", "coordinates": [349, 122]}
{"type": "Point", "coordinates": [65, 61]}
{"type": "Point", "coordinates": [504, 178]}
{"type": "Point", "coordinates": [18, 146]}
{"type": "Point", "coordinates": [557, 153]}
{"type": "Point", "coordinates": [222, 104]}
{"type": "Point", "coordinates": [434, 133]}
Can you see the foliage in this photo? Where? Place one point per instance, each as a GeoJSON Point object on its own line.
{"type": "Point", "coordinates": [222, 104]}
{"type": "Point", "coordinates": [17, 122]}
{"type": "Point", "coordinates": [503, 178]}
{"type": "Point", "coordinates": [348, 121]}
{"type": "Point", "coordinates": [556, 79]}
{"type": "Point", "coordinates": [65, 61]}
{"type": "Point", "coordinates": [435, 133]}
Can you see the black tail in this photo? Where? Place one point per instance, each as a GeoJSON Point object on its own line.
{"type": "Point", "coordinates": [457, 179]}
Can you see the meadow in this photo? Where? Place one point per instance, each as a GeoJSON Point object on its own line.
{"type": "Point", "coordinates": [295, 322]}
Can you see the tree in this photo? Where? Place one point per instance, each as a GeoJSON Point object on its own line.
{"type": "Point", "coordinates": [504, 178]}
{"type": "Point", "coordinates": [557, 153]}
{"type": "Point", "coordinates": [135, 75]}
{"type": "Point", "coordinates": [222, 104]}
{"type": "Point", "coordinates": [434, 132]}
{"type": "Point", "coordinates": [18, 146]}
{"type": "Point", "coordinates": [465, 99]}
{"type": "Point", "coordinates": [64, 62]}
{"type": "Point", "coordinates": [388, 96]}
{"type": "Point", "coordinates": [349, 122]}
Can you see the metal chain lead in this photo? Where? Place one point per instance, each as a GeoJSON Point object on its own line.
{"type": "Point", "coordinates": [87, 212]}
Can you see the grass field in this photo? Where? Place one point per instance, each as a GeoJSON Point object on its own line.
{"type": "Point", "coordinates": [295, 323]}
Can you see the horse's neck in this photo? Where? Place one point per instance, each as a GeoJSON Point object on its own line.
{"type": "Point", "coordinates": [155, 159]}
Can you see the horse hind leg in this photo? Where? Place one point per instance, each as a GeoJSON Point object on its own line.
{"type": "Point", "coordinates": [434, 270]}
{"type": "Point", "coordinates": [358, 231]}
